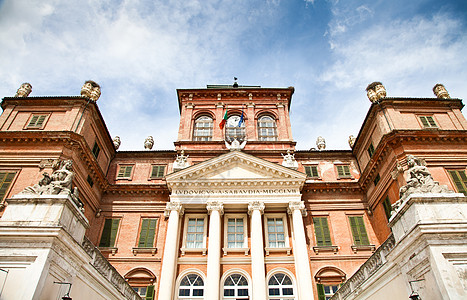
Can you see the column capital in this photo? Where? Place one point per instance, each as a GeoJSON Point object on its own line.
{"type": "Point", "coordinates": [215, 205]}
{"type": "Point", "coordinates": [173, 206]}
{"type": "Point", "coordinates": [296, 205]}
{"type": "Point", "coordinates": [255, 205]}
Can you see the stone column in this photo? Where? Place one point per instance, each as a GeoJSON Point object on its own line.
{"type": "Point", "coordinates": [215, 209]}
{"type": "Point", "coordinates": [302, 261]}
{"type": "Point", "coordinates": [255, 210]}
{"type": "Point", "coordinates": [173, 210]}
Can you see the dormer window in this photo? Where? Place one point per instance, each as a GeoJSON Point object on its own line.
{"type": "Point", "coordinates": [267, 129]}
{"type": "Point", "coordinates": [203, 129]}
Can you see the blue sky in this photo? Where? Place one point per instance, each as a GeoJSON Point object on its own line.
{"type": "Point", "coordinates": [140, 52]}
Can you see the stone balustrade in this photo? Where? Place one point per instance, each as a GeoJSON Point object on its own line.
{"type": "Point", "coordinates": [376, 261]}
{"type": "Point", "coordinates": [101, 264]}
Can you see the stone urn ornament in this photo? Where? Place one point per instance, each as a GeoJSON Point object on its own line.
{"type": "Point", "coordinates": [24, 90]}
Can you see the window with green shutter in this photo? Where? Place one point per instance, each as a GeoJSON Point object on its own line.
{"type": "Point", "coordinates": [323, 236]}
{"type": "Point", "coordinates": [358, 231]}
{"type": "Point", "coordinates": [387, 207]}
{"type": "Point", "coordinates": [158, 171]}
{"type": "Point", "coordinates": [371, 150]}
{"type": "Point", "coordinates": [109, 234]}
{"type": "Point", "coordinates": [96, 150]}
{"type": "Point", "coordinates": [36, 121]}
{"type": "Point", "coordinates": [428, 122]}
{"type": "Point", "coordinates": [147, 233]}
{"type": "Point", "coordinates": [460, 180]}
{"type": "Point", "coordinates": [125, 171]}
{"type": "Point", "coordinates": [325, 291]}
{"type": "Point", "coordinates": [312, 171]}
{"type": "Point", "coordinates": [150, 293]}
{"type": "Point", "coordinates": [6, 178]}
{"type": "Point", "coordinates": [343, 171]}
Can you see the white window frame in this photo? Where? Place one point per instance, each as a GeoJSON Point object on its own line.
{"type": "Point", "coordinates": [180, 278]}
{"type": "Point", "coordinates": [286, 247]}
{"type": "Point", "coordinates": [235, 271]}
{"type": "Point", "coordinates": [292, 278]}
{"type": "Point", "coordinates": [245, 247]}
{"type": "Point", "coordinates": [184, 248]}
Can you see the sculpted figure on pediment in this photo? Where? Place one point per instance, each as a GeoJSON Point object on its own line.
{"type": "Point", "coordinates": [420, 181]}
{"type": "Point", "coordinates": [235, 145]}
{"type": "Point", "coordinates": [181, 162]}
{"type": "Point", "coordinates": [289, 160]}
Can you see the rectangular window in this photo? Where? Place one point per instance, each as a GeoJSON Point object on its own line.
{"type": "Point", "coordinates": [276, 232]}
{"type": "Point", "coordinates": [428, 122]}
{"type": "Point", "coordinates": [371, 150]}
{"type": "Point", "coordinates": [195, 233]}
{"type": "Point", "coordinates": [157, 171]}
{"type": "Point", "coordinates": [6, 178]}
{"type": "Point", "coordinates": [377, 179]}
{"type": "Point", "coordinates": [147, 233]}
{"type": "Point", "coordinates": [323, 236]}
{"type": "Point", "coordinates": [235, 233]}
{"type": "Point", "coordinates": [109, 234]}
{"type": "Point", "coordinates": [325, 292]}
{"type": "Point", "coordinates": [387, 207]}
{"type": "Point", "coordinates": [96, 150]}
{"type": "Point", "coordinates": [125, 171]}
{"type": "Point", "coordinates": [36, 121]}
{"type": "Point", "coordinates": [459, 178]}
{"type": "Point", "coordinates": [312, 171]}
{"type": "Point", "coordinates": [358, 231]}
{"type": "Point", "coordinates": [343, 171]}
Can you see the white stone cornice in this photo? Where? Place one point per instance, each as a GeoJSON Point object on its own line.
{"type": "Point", "coordinates": [296, 205]}
{"type": "Point", "coordinates": [256, 205]}
{"type": "Point", "coordinates": [173, 206]}
{"type": "Point", "coordinates": [215, 205]}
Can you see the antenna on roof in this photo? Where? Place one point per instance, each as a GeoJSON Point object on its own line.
{"type": "Point", "coordinates": [235, 85]}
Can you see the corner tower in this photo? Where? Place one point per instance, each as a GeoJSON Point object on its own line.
{"type": "Point", "coordinates": [258, 115]}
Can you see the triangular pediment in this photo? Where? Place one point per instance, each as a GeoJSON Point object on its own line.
{"type": "Point", "coordinates": [237, 168]}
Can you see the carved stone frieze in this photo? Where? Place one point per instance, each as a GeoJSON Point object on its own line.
{"type": "Point", "coordinates": [215, 205]}
{"type": "Point", "coordinates": [296, 205]}
{"type": "Point", "coordinates": [173, 206]}
{"type": "Point", "coordinates": [48, 163]}
{"type": "Point", "coordinates": [256, 205]}
{"type": "Point", "coordinates": [235, 145]}
{"type": "Point", "coordinates": [289, 160]}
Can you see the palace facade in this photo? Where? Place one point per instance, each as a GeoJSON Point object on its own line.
{"type": "Point", "coordinates": [235, 211]}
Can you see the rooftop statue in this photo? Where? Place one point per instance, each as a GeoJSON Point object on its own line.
{"type": "Point", "coordinates": [289, 160]}
{"type": "Point", "coordinates": [181, 162]}
{"type": "Point", "coordinates": [59, 183]}
{"type": "Point", "coordinates": [24, 90]}
{"type": "Point", "coordinates": [419, 182]}
{"type": "Point", "coordinates": [117, 142]}
{"type": "Point", "coordinates": [149, 143]}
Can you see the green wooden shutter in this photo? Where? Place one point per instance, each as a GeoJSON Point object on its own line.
{"type": "Point", "coordinates": [358, 231]}
{"type": "Point", "coordinates": [460, 181]}
{"type": "Point", "coordinates": [321, 295]}
{"type": "Point", "coordinates": [147, 233]}
{"type": "Point", "coordinates": [109, 234]}
{"type": "Point", "coordinates": [387, 207]}
{"type": "Point", "coordinates": [343, 171]}
{"type": "Point", "coordinates": [323, 236]}
{"type": "Point", "coordinates": [431, 121]}
{"type": "Point", "coordinates": [424, 121]}
{"type": "Point", "coordinates": [157, 171]}
{"type": "Point", "coordinates": [6, 178]}
{"type": "Point", "coordinates": [128, 171]}
{"type": "Point", "coordinates": [40, 120]}
{"type": "Point", "coordinates": [33, 121]}
{"type": "Point", "coordinates": [150, 293]}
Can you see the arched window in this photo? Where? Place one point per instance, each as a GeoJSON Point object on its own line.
{"type": "Point", "coordinates": [236, 287]}
{"type": "Point", "coordinates": [143, 282]}
{"type": "Point", "coordinates": [280, 287]}
{"type": "Point", "coordinates": [191, 287]}
{"type": "Point", "coordinates": [233, 130]}
{"type": "Point", "coordinates": [203, 129]}
{"type": "Point", "coordinates": [267, 129]}
{"type": "Point", "coordinates": [328, 281]}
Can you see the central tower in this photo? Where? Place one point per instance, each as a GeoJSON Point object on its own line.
{"type": "Point", "coordinates": [258, 115]}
